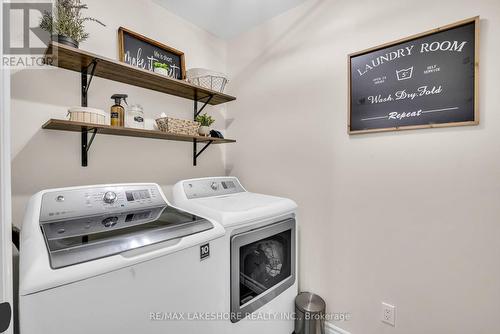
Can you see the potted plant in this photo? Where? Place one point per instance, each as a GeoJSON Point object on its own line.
{"type": "Point", "coordinates": [66, 23]}
{"type": "Point", "coordinates": [205, 121]}
{"type": "Point", "coordinates": [161, 68]}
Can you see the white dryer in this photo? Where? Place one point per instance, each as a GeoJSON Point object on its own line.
{"type": "Point", "coordinates": [117, 259]}
{"type": "Point", "coordinates": [260, 263]}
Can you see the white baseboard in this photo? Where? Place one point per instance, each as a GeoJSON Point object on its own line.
{"type": "Point", "coordinates": [330, 328]}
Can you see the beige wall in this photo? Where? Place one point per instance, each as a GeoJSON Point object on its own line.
{"type": "Point", "coordinates": [44, 159]}
{"type": "Point", "coordinates": [409, 218]}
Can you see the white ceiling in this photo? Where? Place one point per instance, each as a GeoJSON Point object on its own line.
{"type": "Point", "coordinates": [227, 18]}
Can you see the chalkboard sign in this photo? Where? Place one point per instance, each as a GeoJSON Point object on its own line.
{"type": "Point", "coordinates": [143, 52]}
{"type": "Point", "coordinates": [427, 80]}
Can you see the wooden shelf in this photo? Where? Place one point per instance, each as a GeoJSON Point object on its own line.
{"type": "Point", "coordinates": [64, 125]}
{"type": "Point", "coordinates": [90, 65]}
{"type": "Point", "coordinates": [78, 60]}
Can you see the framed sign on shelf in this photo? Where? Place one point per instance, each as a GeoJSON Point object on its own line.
{"type": "Point", "coordinates": [423, 81]}
{"type": "Point", "coordinates": [143, 52]}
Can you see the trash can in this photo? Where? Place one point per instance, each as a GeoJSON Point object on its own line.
{"type": "Point", "coordinates": [309, 314]}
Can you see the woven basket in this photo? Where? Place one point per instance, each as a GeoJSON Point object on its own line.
{"type": "Point", "coordinates": [178, 126]}
{"type": "Point", "coordinates": [87, 115]}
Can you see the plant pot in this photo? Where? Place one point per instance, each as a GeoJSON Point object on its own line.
{"type": "Point", "coordinates": [204, 131]}
{"type": "Point", "coordinates": [65, 40]}
{"type": "Point", "coordinates": [161, 71]}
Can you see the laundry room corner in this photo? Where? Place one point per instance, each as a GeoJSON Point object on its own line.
{"type": "Point", "coordinates": [44, 159]}
{"type": "Point", "coordinates": [242, 167]}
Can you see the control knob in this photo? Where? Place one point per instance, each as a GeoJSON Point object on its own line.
{"type": "Point", "coordinates": [109, 197]}
{"type": "Point", "coordinates": [110, 221]}
{"type": "Point", "coordinates": [214, 186]}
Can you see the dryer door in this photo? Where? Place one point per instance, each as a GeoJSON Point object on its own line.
{"type": "Point", "coordinates": [262, 266]}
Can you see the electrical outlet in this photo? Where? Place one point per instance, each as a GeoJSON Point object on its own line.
{"type": "Point", "coordinates": [389, 314]}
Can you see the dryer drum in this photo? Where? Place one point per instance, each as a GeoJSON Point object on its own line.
{"type": "Point", "coordinates": [263, 264]}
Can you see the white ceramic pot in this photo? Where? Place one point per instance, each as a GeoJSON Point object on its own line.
{"type": "Point", "coordinates": [204, 130]}
{"type": "Point", "coordinates": [161, 71]}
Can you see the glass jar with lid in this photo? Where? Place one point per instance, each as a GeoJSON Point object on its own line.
{"type": "Point", "coordinates": [135, 117]}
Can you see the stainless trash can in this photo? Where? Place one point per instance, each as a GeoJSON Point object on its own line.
{"type": "Point", "coordinates": [309, 314]}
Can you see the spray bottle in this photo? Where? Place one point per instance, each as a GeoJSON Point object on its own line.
{"type": "Point", "coordinates": [117, 111]}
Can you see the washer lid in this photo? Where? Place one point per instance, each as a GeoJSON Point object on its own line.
{"type": "Point", "coordinates": [73, 241]}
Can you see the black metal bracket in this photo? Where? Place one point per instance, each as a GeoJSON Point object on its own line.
{"type": "Point", "coordinates": [86, 80]}
{"type": "Point", "coordinates": [86, 144]}
{"type": "Point", "coordinates": [196, 111]}
{"type": "Point", "coordinates": [195, 148]}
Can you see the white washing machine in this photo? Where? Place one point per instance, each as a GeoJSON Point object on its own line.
{"type": "Point", "coordinates": [260, 263]}
{"type": "Point", "coordinates": [117, 259]}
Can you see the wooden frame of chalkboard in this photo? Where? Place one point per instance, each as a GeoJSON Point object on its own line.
{"type": "Point", "coordinates": [144, 60]}
{"type": "Point", "coordinates": [448, 94]}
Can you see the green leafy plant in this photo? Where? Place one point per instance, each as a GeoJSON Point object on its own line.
{"type": "Point", "coordinates": [67, 20]}
{"type": "Point", "coordinates": [205, 119]}
{"type": "Point", "coordinates": [157, 64]}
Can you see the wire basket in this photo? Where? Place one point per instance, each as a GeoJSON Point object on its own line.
{"type": "Point", "coordinates": [177, 126]}
{"type": "Point", "coordinates": [207, 79]}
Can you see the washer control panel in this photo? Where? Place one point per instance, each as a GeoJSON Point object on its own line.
{"type": "Point", "coordinates": [212, 187]}
{"type": "Point", "coordinates": [87, 201]}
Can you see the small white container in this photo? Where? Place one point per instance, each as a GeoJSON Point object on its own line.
{"type": "Point", "coordinates": [87, 115]}
{"type": "Point", "coordinates": [134, 117]}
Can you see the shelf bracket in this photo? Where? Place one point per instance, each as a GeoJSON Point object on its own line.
{"type": "Point", "coordinates": [196, 154]}
{"type": "Point", "coordinates": [86, 144]}
{"type": "Point", "coordinates": [196, 111]}
{"type": "Point", "coordinates": [85, 89]}
{"type": "Point", "coordinates": [86, 80]}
